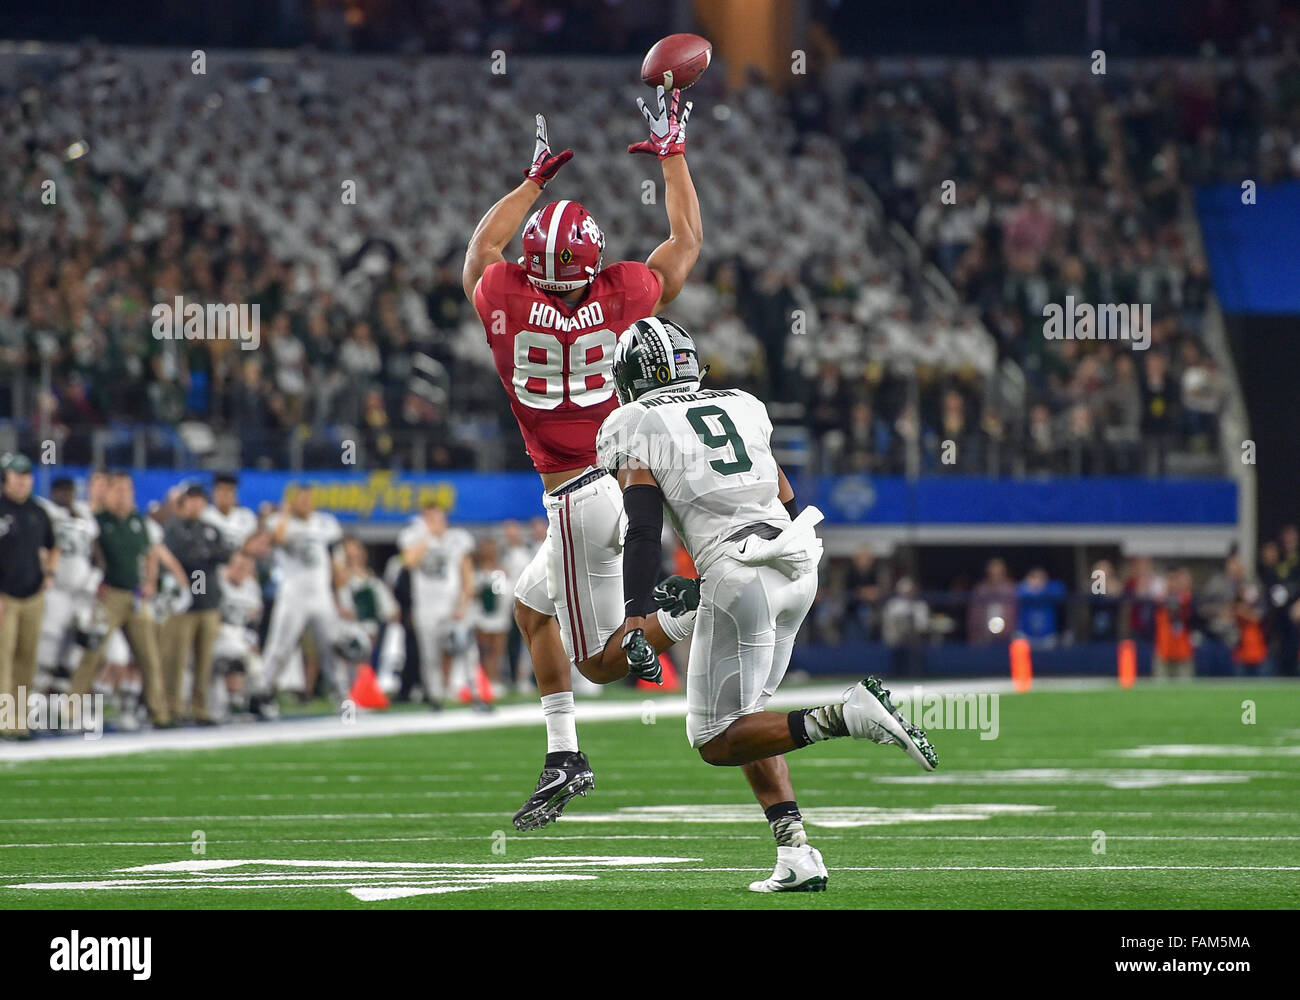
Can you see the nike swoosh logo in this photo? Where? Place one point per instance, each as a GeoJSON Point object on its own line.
{"type": "Point", "coordinates": [794, 877]}
{"type": "Point", "coordinates": [558, 781]}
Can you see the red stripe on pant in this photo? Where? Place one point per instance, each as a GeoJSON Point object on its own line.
{"type": "Point", "coordinates": [577, 601]}
{"type": "Point", "coordinates": [569, 568]}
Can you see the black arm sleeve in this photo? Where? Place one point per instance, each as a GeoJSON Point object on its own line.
{"type": "Point", "coordinates": [792, 508]}
{"type": "Point", "coordinates": [645, 522]}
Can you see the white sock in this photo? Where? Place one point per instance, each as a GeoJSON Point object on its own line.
{"type": "Point", "coordinates": [561, 722]}
{"type": "Point", "coordinates": [677, 627]}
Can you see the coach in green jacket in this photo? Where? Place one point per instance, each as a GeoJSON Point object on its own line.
{"type": "Point", "coordinates": [130, 561]}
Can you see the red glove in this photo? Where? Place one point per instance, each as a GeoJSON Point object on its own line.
{"type": "Point", "coordinates": [545, 163]}
{"type": "Point", "coordinates": [667, 129]}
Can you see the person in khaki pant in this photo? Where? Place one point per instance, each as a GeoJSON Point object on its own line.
{"type": "Point", "coordinates": [200, 549]}
{"type": "Point", "coordinates": [28, 558]}
{"type": "Point", "coordinates": [130, 561]}
{"type": "Point", "coordinates": [185, 633]}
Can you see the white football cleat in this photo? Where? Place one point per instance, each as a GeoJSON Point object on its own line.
{"type": "Point", "coordinates": [798, 869]}
{"type": "Point", "coordinates": [869, 715]}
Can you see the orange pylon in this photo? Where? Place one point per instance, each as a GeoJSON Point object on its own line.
{"type": "Point", "coordinates": [366, 692]}
{"type": "Point", "coordinates": [1128, 663]}
{"type": "Point", "coordinates": [1022, 665]}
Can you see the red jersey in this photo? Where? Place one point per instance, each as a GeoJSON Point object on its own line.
{"type": "Point", "coordinates": [555, 359]}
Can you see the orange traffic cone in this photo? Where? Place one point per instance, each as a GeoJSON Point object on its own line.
{"type": "Point", "coordinates": [366, 692]}
{"type": "Point", "coordinates": [1128, 663]}
{"type": "Point", "coordinates": [482, 688]}
{"type": "Point", "coordinates": [672, 682]}
{"type": "Point", "coordinates": [1022, 666]}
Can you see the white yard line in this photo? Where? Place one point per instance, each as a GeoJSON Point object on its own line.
{"type": "Point", "coordinates": [335, 880]}
{"type": "Point", "coordinates": [1007, 868]}
{"type": "Point", "coordinates": [314, 817]}
{"type": "Point", "coordinates": [457, 720]}
{"type": "Point", "coordinates": [530, 838]}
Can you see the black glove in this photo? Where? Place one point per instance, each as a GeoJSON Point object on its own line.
{"type": "Point", "coordinates": [642, 661]}
{"type": "Point", "coordinates": [677, 595]}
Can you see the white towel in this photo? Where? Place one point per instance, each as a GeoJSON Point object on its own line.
{"type": "Point", "coordinates": [796, 551]}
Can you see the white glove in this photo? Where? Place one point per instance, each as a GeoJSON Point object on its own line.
{"type": "Point", "coordinates": [667, 129]}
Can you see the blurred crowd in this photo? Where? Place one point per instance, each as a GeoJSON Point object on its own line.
{"type": "Point", "coordinates": [323, 191]}
{"type": "Point", "coordinates": [1173, 606]}
{"type": "Point", "coordinates": [232, 187]}
{"type": "Point", "coordinates": [1063, 182]}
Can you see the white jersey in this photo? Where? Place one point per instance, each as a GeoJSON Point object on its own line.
{"type": "Point", "coordinates": [711, 454]}
{"type": "Point", "coordinates": [236, 527]}
{"type": "Point", "coordinates": [241, 604]}
{"type": "Point", "coordinates": [304, 561]}
{"type": "Point", "coordinates": [75, 531]}
{"type": "Point", "coordinates": [436, 579]}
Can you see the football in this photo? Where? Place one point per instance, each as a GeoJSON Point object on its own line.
{"type": "Point", "coordinates": [676, 61]}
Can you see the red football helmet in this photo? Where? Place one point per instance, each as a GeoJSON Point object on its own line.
{"type": "Point", "coordinates": [562, 247]}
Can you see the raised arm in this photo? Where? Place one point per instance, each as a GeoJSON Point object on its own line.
{"type": "Point", "coordinates": [673, 259]}
{"type": "Point", "coordinates": [498, 227]}
{"type": "Point", "coordinates": [413, 554]}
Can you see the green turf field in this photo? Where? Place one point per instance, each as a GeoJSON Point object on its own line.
{"type": "Point", "coordinates": [1198, 809]}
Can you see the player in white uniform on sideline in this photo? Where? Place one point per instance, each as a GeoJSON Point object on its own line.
{"type": "Point", "coordinates": [369, 605]}
{"type": "Point", "coordinates": [492, 610]}
{"type": "Point", "coordinates": [705, 456]}
{"type": "Point", "coordinates": [442, 577]}
{"type": "Point", "coordinates": [236, 524]}
{"type": "Point", "coordinates": [70, 601]}
{"type": "Point", "coordinates": [237, 654]}
{"type": "Point", "coordinates": [304, 540]}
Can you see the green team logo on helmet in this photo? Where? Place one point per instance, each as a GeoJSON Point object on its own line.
{"type": "Point", "coordinates": [651, 354]}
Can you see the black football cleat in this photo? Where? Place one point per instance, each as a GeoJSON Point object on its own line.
{"type": "Point", "coordinates": [556, 788]}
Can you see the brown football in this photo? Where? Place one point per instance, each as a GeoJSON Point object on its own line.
{"type": "Point", "coordinates": [676, 61]}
